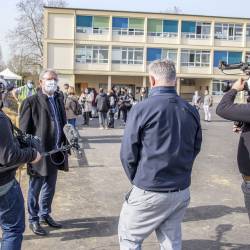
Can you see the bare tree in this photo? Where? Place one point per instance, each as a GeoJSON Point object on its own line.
{"type": "Point", "coordinates": [26, 40]}
{"type": "Point", "coordinates": [2, 64]}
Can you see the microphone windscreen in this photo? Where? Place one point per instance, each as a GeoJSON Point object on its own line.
{"type": "Point", "coordinates": [70, 133]}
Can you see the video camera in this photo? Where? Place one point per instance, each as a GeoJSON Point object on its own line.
{"type": "Point", "coordinates": [243, 66]}
{"type": "Point", "coordinates": [5, 86]}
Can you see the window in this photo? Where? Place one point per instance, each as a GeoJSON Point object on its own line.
{"type": "Point", "coordinates": [218, 86]}
{"type": "Point", "coordinates": [128, 26]}
{"type": "Point", "coordinates": [156, 54]}
{"type": "Point", "coordinates": [127, 55]}
{"type": "Point", "coordinates": [248, 32]}
{"type": "Point", "coordinates": [162, 28]}
{"type": "Point", "coordinates": [195, 58]}
{"type": "Point", "coordinates": [92, 24]}
{"type": "Point", "coordinates": [225, 31]}
{"type": "Point", "coordinates": [228, 57]}
{"type": "Point", "coordinates": [196, 30]}
{"type": "Point", "coordinates": [91, 54]}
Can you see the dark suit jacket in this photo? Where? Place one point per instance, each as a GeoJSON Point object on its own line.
{"type": "Point", "coordinates": [36, 119]}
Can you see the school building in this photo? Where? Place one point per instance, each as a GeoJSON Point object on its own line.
{"type": "Point", "coordinates": [105, 48]}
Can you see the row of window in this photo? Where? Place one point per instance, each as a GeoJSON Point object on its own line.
{"type": "Point", "coordinates": [158, 27]}
{"type": "Point", "coordinates": [87, 54]}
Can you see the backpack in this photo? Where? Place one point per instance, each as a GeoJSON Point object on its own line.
{"type": "Point", "coordinates": [78, 108]}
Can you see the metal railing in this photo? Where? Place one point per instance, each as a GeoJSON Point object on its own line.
{"type": "Point", "coordinates": [127, 32]}
{"type": "Point", "coordinates": [195, 64]}
{"type": "Point", "coordinates": [163, 34]}
{"type": "Point", "coordinates": [220, 36]}
{"type": "Point", "coordinates": [190, 35]}
{"type": "Point", "coordinates": [92, 31]}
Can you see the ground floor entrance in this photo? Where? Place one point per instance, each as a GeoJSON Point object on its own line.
{"type": "Point", "coordinates": [186, 86]}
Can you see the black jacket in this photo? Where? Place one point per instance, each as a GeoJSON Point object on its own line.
{"type": "Point", "coordinates": [36, 119]}
{"type": "Point", "coordinates": [102, 103]}
{"type": "Point", "coordinates": [238, 112]}
{"type": "Point", "coordinates": [161, 140]}
{"type": "Point", "coordinates": [10, 152]}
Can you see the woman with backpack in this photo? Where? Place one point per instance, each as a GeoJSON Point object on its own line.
{"type": "Point", "coordinates": [71, 107]}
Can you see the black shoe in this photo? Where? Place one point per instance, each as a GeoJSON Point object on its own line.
{"type": "Point", "coordinates": [50, 222]}
{"type": "Point", "coordinates": [37, 229]}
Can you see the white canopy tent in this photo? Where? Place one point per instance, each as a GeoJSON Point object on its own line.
{"type": "Point", "coordinates": [9, 75]}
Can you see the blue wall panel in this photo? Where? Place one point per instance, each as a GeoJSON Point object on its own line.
{"type": "Point", "coordinates": [219, 56]}
{"type": "Point", "coordinates": [120, 22]}
{"type": "Point", "coordinates": [84, 21]}
{"type": "Point", "coordinates": [170, 26]}
{"type": "Point", "coordinates": [188, 26]}
{"type": "Point", "coordinates": [153, 54]}
{"type": "Point", "coordinates": [234, 57]}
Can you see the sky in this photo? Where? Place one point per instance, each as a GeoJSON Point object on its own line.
{"type": "Point", "coordinates": [231, 8]}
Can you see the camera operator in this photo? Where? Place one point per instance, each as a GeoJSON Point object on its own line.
{"type": "Point", "coordinates": [11, 198]}
{"type": "Point", "coordinates": [239, 113]}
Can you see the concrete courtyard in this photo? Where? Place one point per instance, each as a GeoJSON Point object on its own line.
{"type": "Point", "coordinates": [89, 198]}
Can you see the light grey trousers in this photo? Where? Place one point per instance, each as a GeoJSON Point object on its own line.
{"type": "Point", "coordinates": [246, 191]}
{"type": "Point", "coordinates": [144, 212]}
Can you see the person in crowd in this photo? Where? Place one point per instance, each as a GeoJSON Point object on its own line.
{"type": "Point", "coordinates": [21, 93]}
{"type": "Point", "coordinates": [196, 101]}
{"type": "Point", "coordinates": [239, 113]}
{"type": "Point", "coordinates": [94, 109]}
{"type": "Point", "coordinates": [65, 91]}
{"type": "Point", "coordinates": [207, 104]}
{"type": "Point", "coordinates": [102, 102]}
{"type": "Point", "coordinates": [123, 105]}
{"type": "Point", "coordinates": [86, 100]}
{"type": "Point", "coordinates": [130, 99]}
{"type": "Point", "coordinates": [12, 219]}
{"type": "Point", "coordinates": [71, 107]}
{"type": "Point", "coordinates": [143, 94]}
{"type": "Point", "coordinates": [43, 115]}
{"type": "Point", "coordinates": [112, 108]}
{"type": "Point", "coordinates": [157, 155]}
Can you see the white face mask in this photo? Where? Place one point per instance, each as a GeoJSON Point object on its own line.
{"type": "Point", "coordinates": [50, 86]}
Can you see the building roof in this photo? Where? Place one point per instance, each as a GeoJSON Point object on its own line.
{"type": "Point", "coordinates": [142, 12]}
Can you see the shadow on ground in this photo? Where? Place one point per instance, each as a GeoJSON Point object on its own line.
{"type": "Point", "coordinates": [210, 212]}
{"type": "Point", "coordinates": [82, 228]}
{"type": "Point", "coordinates": [107, 226]}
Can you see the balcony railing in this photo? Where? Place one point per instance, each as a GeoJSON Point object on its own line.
{"type": "Point", "coordinates": [195, 36]}
{"type": "Point", "coordinates": [220, 36]}
{"type": "Point", "coordinates": [127, 62]}
{"type": "Point", "coordinates": [127, 32]}
{"type": "Point", "coordinates": [84, 60]}
{"type": "Point", "coordinates": [163, 34]}
{"type": "Point", "coordinates": [195, 64]}
{"type": "Point", "coordinates": [92, 31]}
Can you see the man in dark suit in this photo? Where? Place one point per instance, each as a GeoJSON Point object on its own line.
{"type": "Point", "coordinates": [43, 115]}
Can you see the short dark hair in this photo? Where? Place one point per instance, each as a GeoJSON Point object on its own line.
{"type": "Point", "coordinates": [101, 90]}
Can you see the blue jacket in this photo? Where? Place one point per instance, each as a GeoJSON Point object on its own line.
{"type": "Point", "coordinates": [161, 141]}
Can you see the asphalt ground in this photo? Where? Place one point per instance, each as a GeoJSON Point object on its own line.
{"type": "Point", "coordinates": [89, 197]}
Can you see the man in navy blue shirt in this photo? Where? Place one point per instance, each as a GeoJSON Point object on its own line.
{"type": "Point", "coordinates": [161, 141]}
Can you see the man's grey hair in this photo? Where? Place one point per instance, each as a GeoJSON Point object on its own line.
{"type": "Point", "coordinates": [163, 71]}
{"type": "Point", "coordinates": [45, 71]}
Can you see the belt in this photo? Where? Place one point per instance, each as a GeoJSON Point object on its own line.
{"type": "Point", "coordinates": [169, 191]}
{"type": "Point", "coordinates": [246, 178]}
